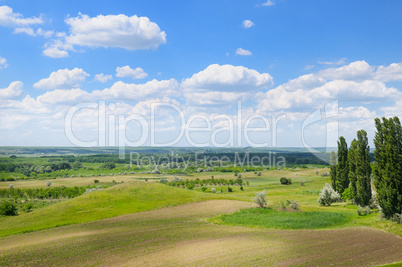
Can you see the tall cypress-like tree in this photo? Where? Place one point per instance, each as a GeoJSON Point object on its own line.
{"type": "Point", "coordinates": [363, 169]}
{"type": "Point", "coordinates": [332, 169]}
{"type": "Point", "coordinates": [388, 165]}
{"type": "Point", "coordinates": [352, 169]}
{"type": "Point", "coordinates": [342, 168]}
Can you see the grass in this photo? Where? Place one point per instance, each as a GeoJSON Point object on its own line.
{"type": "Point", "coordinates": [147, 223]}
{"type": "Point", "coordinates": [286, 220]}
{"type": "Point", "coordinates": [182, 236]}
{"type": "Point", "coordinates": [114, 201]}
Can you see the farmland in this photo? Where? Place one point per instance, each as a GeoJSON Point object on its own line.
{"type": "Point", "coordinates": [140, 221]}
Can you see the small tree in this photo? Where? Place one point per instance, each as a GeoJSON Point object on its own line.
{"type": "Point", "coordinates": [8, 208]}
{"type": "Point", "coordinates": [328, 195]}
{"type": "Point", "coordinates": [260, 198]}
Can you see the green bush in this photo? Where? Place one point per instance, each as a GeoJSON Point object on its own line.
{"type": "Point", "coordinates": [260, 199]}
{"type": "Point", "coordinates": [8, 208]}
{"type": "Point", "coordinates": [328, 195]}
{"type": "Point", "coordinates": [230, 190]}
{"type": "Point", "coordinates": [363, 211]}
{"type": "Point", "coordinates": [203, 189]}
{"type": "Point", "coordinates": [96, 181]}
{"type": "Point", "coordinates": [285, 180]}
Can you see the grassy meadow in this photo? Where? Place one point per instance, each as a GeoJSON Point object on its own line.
{"type": "Point", "coordinates": [139, 221]}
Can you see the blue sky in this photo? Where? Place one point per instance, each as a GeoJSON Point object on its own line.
{"type": "Point", "coordinates": [277, 57]}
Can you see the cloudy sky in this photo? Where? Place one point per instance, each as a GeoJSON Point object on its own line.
{"type": "Point", "coordinates": [197, 72]}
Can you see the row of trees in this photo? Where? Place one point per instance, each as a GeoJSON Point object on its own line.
{"type": "Point", "coordinates": [351, 168]}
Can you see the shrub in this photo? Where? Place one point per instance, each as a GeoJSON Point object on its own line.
{"type": "Point", "coordinates": [302, 183]}
{"type": "Point", "coordinates": [258, 173]}
{"type": "Point", "coordinates": [11, 186]}
{"type": "Point", "coordinates": [203, 189]}
{"type": "Point", "coordinates": [363, 211]}
{"type": "Point", "coordinates": [397, 218]}
{"type": "Point", "coordinates": [163, 181]}
{"type": "Point", "coordinates": [241, 188]}
{"type": "Point", "coordinates": [230, 190]}
{"type": "Point", "coordinates": [49, 183]}
{"type": "Point", "coordinates": [285, 180]}
{"type": "Point", "coordinates": [260, 199]}
{"type": "Point", "coordinates": [146, 179]}
{"type": "Point", "coordinates": [190, 187]}
{"type": "Point", "coordinates": [294, 205]}
{"type": "Point", "coordinates": [239, 175]}
{"type": "Point", "coordinates": [8, 208]}
{"type": "Point", "coordinates": [213, 190]}
{"type": "Point", "coordinates": [28, 207]}
{"type": "Point", "coordinates": [328, 195]}
{"type": "Point", "coordinates": [324, 174]}
{"type": "Point", "coordinates": [96, 181]}
{"type": "Point", "coordinates": [282, 205]}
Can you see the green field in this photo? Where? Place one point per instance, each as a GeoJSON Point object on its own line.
{"type": "Point", "coordinates": [140, 222]}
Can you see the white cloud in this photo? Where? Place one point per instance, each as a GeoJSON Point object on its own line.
{"type": "Point", "coordinates": [356, 70]}
{"type": "Point", "coordinates": [103, 77]}
{"type": "Point", "coordinates": [339, 62]}
{"type": "Point", "coordinates": [131, 33]}
{"type": "Point", "coordinates": [247, 24]}
{"type": "Point", "coordinates": [213, 98]}
{"type": "Point", "coordinates": [9, 18]}
{"type": "Point", "coordinates": [61, 96]}
{"type": "Point", "coordinates": [154, 88]}
{"type": "Point", "coordinates": [126, 71]}
{"type": "Point", "coordinates": [268, 3]}
{"type": "Point", "coordinates": [3, 63]}
{"type": "Point", "coordinates": [243, 52]}
{"type": "Point", "coordinates": [353, 82]}
{"type": "Point", "coordinates": [228, 78]}
{"type": "Point", "coordinates": [356, 113]}
{"type": "Point", "coordinates": [14, 90]}
{"type": "Point", "coordinates": [32, 32]}
{"type": "Point", "coordinates": [62, 79]}
{"type": "Point", "coordinates": [391, 73]}
{"type": "Point", "coordinates": [56, 49]}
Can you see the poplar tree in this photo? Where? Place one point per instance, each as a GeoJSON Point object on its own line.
{"type": "Point", "coordinates": [352, 169]}
{"type": "Point", "coordinates": [388, 165]}
{"type": "Point", "coordinates": [332, 169]}
{"type": "Point", "coordinates": [342, 168]}
{"type": "Point", "coordinates": [363, 169]}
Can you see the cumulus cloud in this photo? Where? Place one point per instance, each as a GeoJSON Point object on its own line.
{"type": "Point", "coordinates": [247, 24]}
{"type": "Point", "coordinates": [356, 113]}
{"type": "Point", "coordinates": [14, 90]}
{"type": "Point", "coordinates": [228, 78]}
{"type": "Point", "coordinates": [353, 82]}
{"type": "Point", "coordinates": [391, 73]}
{"type": "Point", "coordinates": [103, 77]}
{"type": "Point", "coordinates": [61, 96]}
{"type": "Point", "coordinates": [3, 63]}
{"type": "Point", "coordinates": [127, 91]}
{"type": "Point", "coordinates": [355, 70]}
{"type": "Point", "coordinates": [12, 19]}
{"type": "Point", "coordinates": [243, 52]}
{"type": "Point", "coordinates": [131, 33]}
{"type": "Point", "coordinates": [62, 79]}
{"type": "Point", "coordinates": [126, 71]}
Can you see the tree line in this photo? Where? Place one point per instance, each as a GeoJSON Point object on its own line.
{"type": "Point", "coordinates": [352, 172]}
